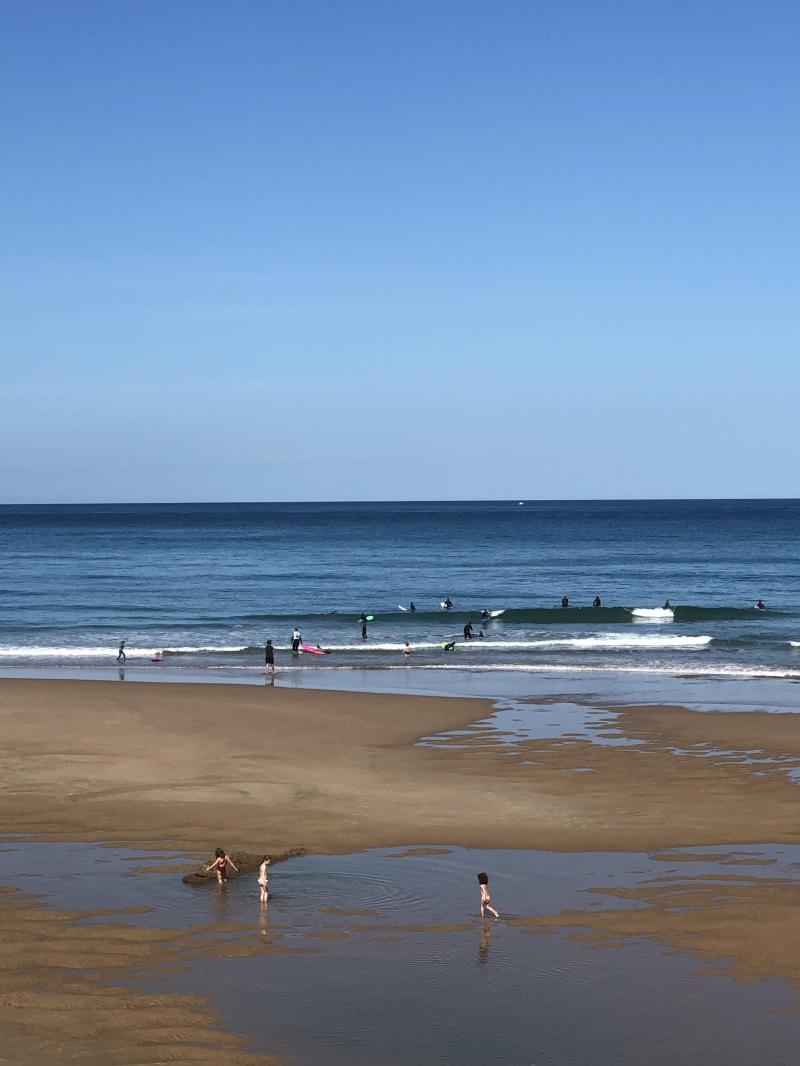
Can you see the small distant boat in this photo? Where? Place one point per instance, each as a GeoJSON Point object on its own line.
{"type": "Point", "coordinates": [521, 503]}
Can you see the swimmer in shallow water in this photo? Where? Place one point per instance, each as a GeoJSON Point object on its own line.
{"type": "Point", "coordinates": [597, 602]}
{"type": "Point", "coordinates": [761, 606]}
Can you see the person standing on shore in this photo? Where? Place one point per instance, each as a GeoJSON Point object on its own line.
{"type": "Point", "coordinates": [220, 865]}
{"type": "Point", "coordinates": [263, 879]}
{"type": "Point", "coordinates": [296, 638]}
{"type": "Point", "coordinates": [486, 899]}
{"type": "Point", "coordinates": [269, 656]}
{"type": "Point", "coordinates": [121, 652]}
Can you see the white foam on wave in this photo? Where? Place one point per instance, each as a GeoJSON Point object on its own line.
{"type": "Point", "coordinates": [561, 668]}
{"type": "Point", "coordinates": [601, 642]}
{"type": "Point", "coordinates": [26, 651]}
{"type": "Point", "coordinates": [653, 614]}
{"type": "Point", "coordinates": [794, 643]}
{"type": "Point", "coordinates": [624, 641]}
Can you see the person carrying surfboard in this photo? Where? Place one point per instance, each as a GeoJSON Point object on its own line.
{"type": "Point", "coordinates": [363, 621]}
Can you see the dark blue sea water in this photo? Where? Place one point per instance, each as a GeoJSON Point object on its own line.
{"type": "Point", "coordinates": [207, 584]}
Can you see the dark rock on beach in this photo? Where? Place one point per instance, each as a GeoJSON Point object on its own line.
{"type": "Point", "coordinates": [247, 861]}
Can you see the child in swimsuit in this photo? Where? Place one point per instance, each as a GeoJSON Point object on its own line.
{"type": "Point", "coordinates": [220, 865]}
{"type": "Point", "coordinates": [486, 899]}
{"type": "Point", "coordinates": [263, 879]}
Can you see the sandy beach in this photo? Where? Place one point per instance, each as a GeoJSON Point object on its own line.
{"type": "Point", "coordinates": [188, 766]}
{"type": "Point", "coordinates": [185, 767]}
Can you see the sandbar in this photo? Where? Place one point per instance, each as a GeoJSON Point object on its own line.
{"type": "Point", "coordinates": [192, 766]}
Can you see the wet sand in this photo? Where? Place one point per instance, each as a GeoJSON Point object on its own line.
{"type": "Point", "coordinates": [186, 767]}
{"type": "Point", "coordinates": [389, 942]}
{"type": "Point", "coordinates": [58, 1002]}
{"type": "Point", "coordinates": [193, 765]}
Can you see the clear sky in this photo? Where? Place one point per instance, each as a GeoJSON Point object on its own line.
{"type": "Point", "coordinates": [423, 249]}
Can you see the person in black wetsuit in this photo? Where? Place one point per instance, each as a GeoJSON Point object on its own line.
{"type": "Point", "coordinates": [468, 631]}
{"type": "Point", "coordinates": [597, 602]}
{"type": "Point", "coordinates": [667, 605]}
{"type": "Point", "coordinates": [448, 603]}
{"type": "Point", "coordinates": [761, 606]}
{"type": "Point", "coordinates": [269, 656]}
{"type": "Point", "coordinates": [412, 606]}
{"type": "Point", "coordinates": [485, 616]}
{"type": "Point", "coordinates": [565, 601]}
{"type": "Point", "coordinates": [363, 621]}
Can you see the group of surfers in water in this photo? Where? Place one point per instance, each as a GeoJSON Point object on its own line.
{"type": "Point", "coordinates": [447, 645]}
{"type": "Point", "coordinates": [222, 862]}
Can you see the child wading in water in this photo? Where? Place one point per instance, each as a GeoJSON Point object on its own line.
{"type": "Point", "coordinates": [263, 879]}
{"type": "Point", "coordinates": [220, 865]}
{"type": "Point", "coordinates": [486, 899]}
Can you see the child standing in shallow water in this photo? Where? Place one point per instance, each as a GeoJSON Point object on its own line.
{"type": "Point", "coordinates": [486, 899]}
{"type": "Point", "coordinates": [263, 879]}
{"type": "Point", "coordinates": [220, 865]}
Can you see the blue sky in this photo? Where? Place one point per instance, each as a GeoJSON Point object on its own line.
{"type": "Point", "coordinates": [318, 250]}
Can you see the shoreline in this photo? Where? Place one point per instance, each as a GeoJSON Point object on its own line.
{"type": "Point", "coordinates": [187, 766]}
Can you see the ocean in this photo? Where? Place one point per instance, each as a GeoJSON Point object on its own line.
{"type": "Point", "coordinates": [203, 586]}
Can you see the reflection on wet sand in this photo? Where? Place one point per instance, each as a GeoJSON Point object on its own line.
{"type": "Point", "coordinates": [389, 954]}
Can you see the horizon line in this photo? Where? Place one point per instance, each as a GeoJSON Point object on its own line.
{"type": "Point", "coordinates": [385, 500]}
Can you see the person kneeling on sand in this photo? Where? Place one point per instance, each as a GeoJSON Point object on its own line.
{"type": "Point", "coordinates": [220, 865]}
